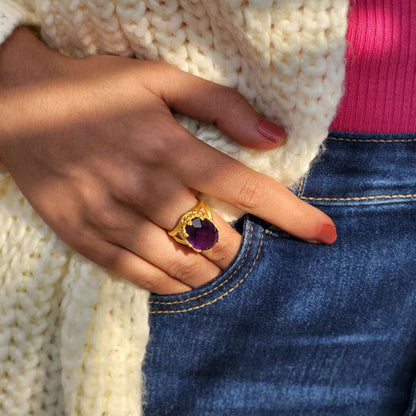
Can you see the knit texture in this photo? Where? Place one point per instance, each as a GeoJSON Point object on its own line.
{"type": "Point", "coordinates": [72, 335]}
{"type": "Point", "coordinates": [14, 13]}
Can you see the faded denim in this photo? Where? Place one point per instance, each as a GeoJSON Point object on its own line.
{"type": "Point", "coordinates": [292, 328]}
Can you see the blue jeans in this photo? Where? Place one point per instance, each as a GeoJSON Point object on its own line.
{"type": "Point", "coordinates": [293, 328]}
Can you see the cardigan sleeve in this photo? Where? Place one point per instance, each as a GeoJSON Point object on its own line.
{"type": "Point", "coordinates": [14, 13]}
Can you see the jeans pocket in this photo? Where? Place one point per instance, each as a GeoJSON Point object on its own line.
{"type": "Point", "coordinates": [226, 282]}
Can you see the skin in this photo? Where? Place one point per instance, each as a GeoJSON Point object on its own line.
{"type": "Point", "coordinates": [93, 146]}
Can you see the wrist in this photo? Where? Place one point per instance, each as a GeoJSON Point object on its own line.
{"type": "Point", "coordinates": [20, 54]}
{"type": "Point", "coordinates": [25, 61]}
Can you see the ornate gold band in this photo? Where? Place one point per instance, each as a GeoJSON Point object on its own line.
{"type": "Point", "coordinates": [196, 229]}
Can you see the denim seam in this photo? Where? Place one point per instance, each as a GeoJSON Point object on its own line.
{"type": "Point", "coordinates": [301, 187]}
{"type": "Point", "coordinates": [343, 139]}
{"type": "Point", "coordinates": [359, 198]}
{"type": "Point", "coordinates": [228, 291]}
{"type": "Point", "coordinates": [155, 302]}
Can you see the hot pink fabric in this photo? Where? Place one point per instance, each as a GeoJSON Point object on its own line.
{"type": "Point", "coordinates": [380, 84]}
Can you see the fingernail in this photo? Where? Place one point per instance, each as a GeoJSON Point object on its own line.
{"type": "Point", "coordinates": [271, 131]}
{"type": "Point", "coordinates": [327, 234]}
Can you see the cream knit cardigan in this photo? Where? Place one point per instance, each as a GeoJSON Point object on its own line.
{"type": "Point", "coordinates": [72, 335]}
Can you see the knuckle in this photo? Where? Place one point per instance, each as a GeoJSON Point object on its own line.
{"type": "Point", "coordinates": [124, 190]}
{"type": "Point", "coordinates": [155, 150]}
{"type": "Point", "coordinates": [147, 282]}
{"type": "Point", "coordinates": [80, 244]}
{"type": "Point", "coordinates": [104, 217]}
{"type": "Point", "coordinates": [159, 149]}
{"type": "Point", "coordinates": [158, 65]}
{"type": "Point", "coordinates": [220, 252]}
{"type": "Point", "coordinates": [234, 99]}
{"type": "Point", "coordinates": [184, 269]}
{"type": "Point", "coordinates": [160, 78]}
{"type": "Point", "coordinates": [129, 188]}
{"type": "Point", "coordinates": [106, 260]}
{"type": "Point", "coordinates": [88, 245]}
{"type": "Point", "coordinates": [251, 194]}
{"type": "Point", "coordinates": [76, 233]}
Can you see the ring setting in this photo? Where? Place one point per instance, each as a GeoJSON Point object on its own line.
{"type": "Point", "coordinates": [196, 229]}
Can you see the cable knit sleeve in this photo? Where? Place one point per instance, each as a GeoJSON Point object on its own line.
{"type": "Point", "coordinates": [14, 13]}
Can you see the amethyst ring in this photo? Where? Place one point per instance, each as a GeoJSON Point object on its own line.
{"type": "Point", "coordinates": [196, 229]}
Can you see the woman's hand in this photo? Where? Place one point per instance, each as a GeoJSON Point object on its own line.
{"type": "Point", "coordinates": [94, 148]}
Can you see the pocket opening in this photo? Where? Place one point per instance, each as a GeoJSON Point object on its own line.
{"type": "Point", "coordinates": [252, 233]}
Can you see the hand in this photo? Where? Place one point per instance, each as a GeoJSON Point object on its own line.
{"type": "Point", "coordinates": [94, 148]}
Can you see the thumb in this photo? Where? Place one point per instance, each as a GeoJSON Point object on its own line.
{"type": "Point", "coordinates": [210, 102]}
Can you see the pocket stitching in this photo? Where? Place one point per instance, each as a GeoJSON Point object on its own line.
{"type": "Point", "coordinates": [344, 139]}
{"type": "Point", "coordinates": [301, 186]}
{"type": "Point", "coordinates": [154, 302]}
{"type": "Point", "coordinates": [359, 198]}
{"type": "Point", "coordinates": [228, 291]}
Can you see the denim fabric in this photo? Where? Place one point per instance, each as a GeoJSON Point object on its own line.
{"type": "Point", "coordinates": [293, 328]}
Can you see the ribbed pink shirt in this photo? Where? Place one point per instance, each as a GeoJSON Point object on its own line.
{"type": "Point", "coordinates": [380, 84]}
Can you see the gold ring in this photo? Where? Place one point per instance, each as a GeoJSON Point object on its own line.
{"type": "Point", "coordinates": [196, 229]}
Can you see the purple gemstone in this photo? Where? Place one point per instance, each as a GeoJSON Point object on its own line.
{"type": "Point", "coordinates": [202, 234]}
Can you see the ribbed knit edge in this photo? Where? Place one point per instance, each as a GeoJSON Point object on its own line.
{"type": "Point", "coordinates": [13, 15]}
{"type": "Point", "coordinates": [380, 83]}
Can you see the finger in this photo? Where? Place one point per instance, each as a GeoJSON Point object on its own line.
{"type": "Point", "coordinates": [152, 243]}
{"type": "Point", "coordinates": [210, 102]}
{"type": "Point", "coordinates": [160, 197]}
{"type": "Point", "coordinates": [231, 181]}
{"type": "Point", "coordinates": [135, 269]}
{"type": "Point", "coordinates": [164, 200]}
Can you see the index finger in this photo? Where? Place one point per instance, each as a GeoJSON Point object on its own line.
{"type": "Point", "coordinates": [214, 173]}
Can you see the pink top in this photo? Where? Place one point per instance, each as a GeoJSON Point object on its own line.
{"type": "Point", "coordinates": [380, 84]}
